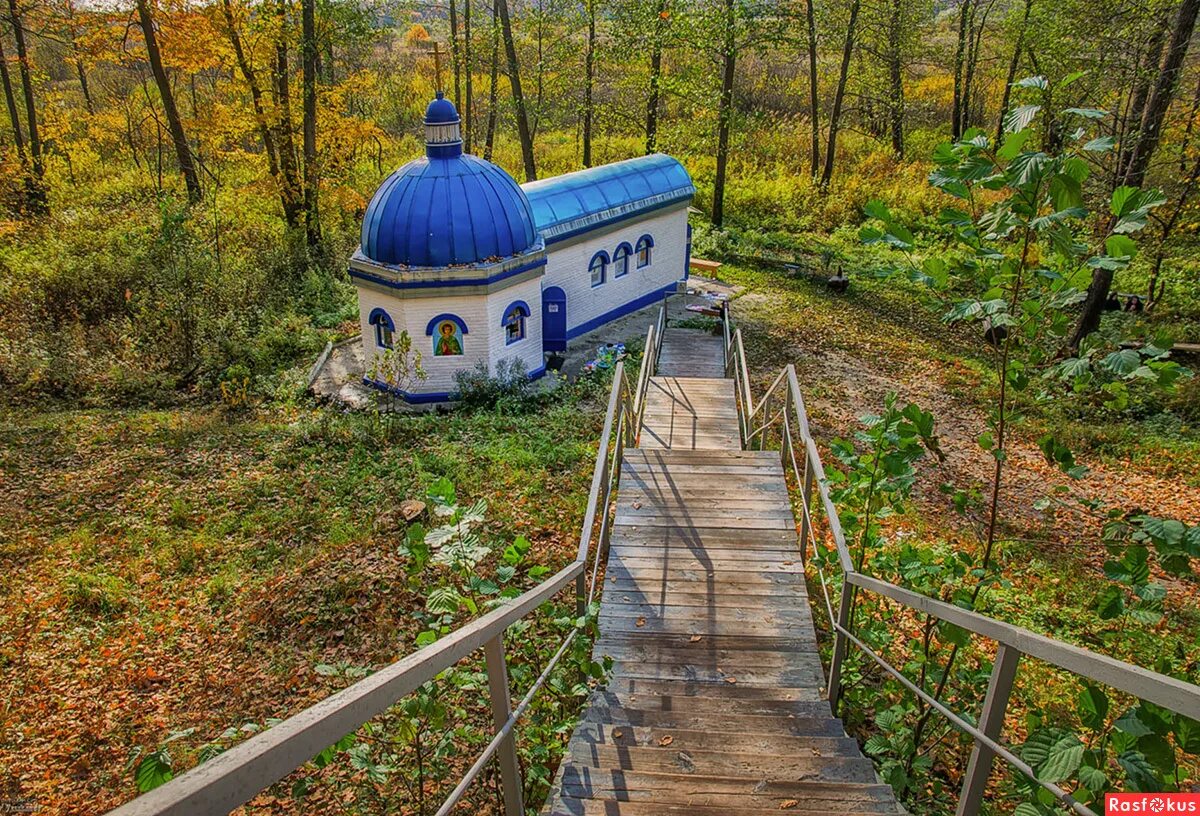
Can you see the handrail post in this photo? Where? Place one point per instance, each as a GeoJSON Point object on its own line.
{"type": "Point", "coordinates": [834, 692]}
{"type": "Point", "coordinates": [510, 769]}
{"type": "Point", "coordinates": [991, 723]}
{"type": "Point", "coordinates": [806, 490]}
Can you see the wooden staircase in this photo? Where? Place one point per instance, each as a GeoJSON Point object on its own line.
{"type": "Point", "coordinates": [716, 703]}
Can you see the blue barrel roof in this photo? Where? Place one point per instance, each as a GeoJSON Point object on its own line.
{"type": "Point", "coordinates": [446, 212]}
{"type": "Point", "coordinates": [571, 203]}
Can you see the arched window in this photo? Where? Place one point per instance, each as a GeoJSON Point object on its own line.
{"type": "Point", "coordinates": [514, 322]}
{"type": "Point", "coordinates": [448, 332]}
{"type": "Point", "coordinates": [643, 250]}
{"type": "Point", "coordinates": [598, 267]}
{"type": "Point", "coordinates": [384, 327]}
{"type": "Point", "coordinates": [620, 260]}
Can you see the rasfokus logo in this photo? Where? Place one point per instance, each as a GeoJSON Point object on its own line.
{"type": "Point", "coordinates": [1151, 803]}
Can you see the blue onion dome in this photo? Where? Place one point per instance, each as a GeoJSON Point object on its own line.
{"type": "Point", "coordinates": [448, 208]}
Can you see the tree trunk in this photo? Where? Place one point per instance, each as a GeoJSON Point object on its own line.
{"type": "Point", "coordinates": [960, 53]}
{"type": "Point", "coordinates": [514, 79]}
{"type": "Point", "coordinates": [308, 46]}
{"type": "Point", "coordinates": [1147, 72]}
{"type": "Point", "coordinates": [814, 94]}
{"type": "Point", "coordinates": [260, 114]}
{"type": "Point", "coordinates": [183, 151]}
{"type": "Point", "coordinates": [896, 79]}
{"type": "Point", "coordinates": [490, 135]}
{"type": "Point", "coordinates": [10, 100]}
{"type": "Point", "coordinates": [1164, 90]}
{"type": "Point", "coordinates": [454, 63]}
{"type": "Point", "coordinates": [288, 166]}
{"type": "Point", "coordinates": [1154, 289]}
{"type": "Point", "coordinates": [1187, 133]}
{"type": "Point", "coordinates": [652, 93]}
{"type": "Point", "coordinates": [724, 115]}
{"type": "Point", "coordinates": [1013, 66]}
{"type": "Point", "coordinates": [839, 95]}
{"type": "Point", "coordinates": [588, 78]}
{"type": "Point", "coordinates": [467, 113]}
{"type": "Point", "coordinates": [35, 186]}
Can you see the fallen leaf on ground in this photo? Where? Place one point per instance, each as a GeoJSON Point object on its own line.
{"type": "Point", "coordinates": [640, 622]}
{"type": "Point", "coordinates": [697, 638]}
{"type": "Point", "coordinates": [667, 740]}
{"type": "Point", "coordinates": [787, 804]}
{"type": "Point", "coordinates": [730, 679]}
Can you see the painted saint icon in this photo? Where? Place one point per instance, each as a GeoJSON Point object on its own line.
{"type": "Point", "coordinates": [449, 341]}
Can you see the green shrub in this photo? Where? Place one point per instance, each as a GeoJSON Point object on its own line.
{"type": "Point", "coordinates": [477, 388]}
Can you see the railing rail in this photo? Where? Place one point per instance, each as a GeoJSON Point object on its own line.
{"type": "Point", "coordinates": [780, 412]}
{"type": "Point", "coordinates": [236, 776]}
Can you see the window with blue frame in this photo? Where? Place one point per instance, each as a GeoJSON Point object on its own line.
{"type": "Point", "coordinates": [514, 322]}
{"type": "Point", "coordinates": [598, 268]}
{"type": "Point", "coordinates": [620, 260]}
{"type": "Point", "coordinates": [643, 250]}
{"type": "Point", "coordinates": [384, 327]}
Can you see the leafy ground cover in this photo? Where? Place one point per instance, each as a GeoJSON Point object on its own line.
{"type": "Point", "coordinates": [172, 580]}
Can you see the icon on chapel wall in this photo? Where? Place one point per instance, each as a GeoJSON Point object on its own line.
{"type": "Point", "coordinates": [449, 340]}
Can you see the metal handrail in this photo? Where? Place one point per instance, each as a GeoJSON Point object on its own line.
{"type": "Point", "coordinates": [236, 776]}
{"type": "Point", "coordinates": [1012, 641]}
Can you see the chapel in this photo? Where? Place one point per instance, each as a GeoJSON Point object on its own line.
{"type": "Point", "coordinates": [479, 269]}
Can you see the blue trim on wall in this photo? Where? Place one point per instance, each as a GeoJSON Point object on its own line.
{"type": "Point", "coordinates": [434, 396]}
{"type": "Point", "coordinates": [445, 316]}
{"type": "Point", "coordinates": [377, 313]}
{"type": "Point", "coordinates": [510, 307]}
{"type": "Point", "coordinates": [603, 268]}
{"type": "Point", "coordinates": [617, 257]}
{"type": "Point", "coordinates": [648, 238]}
{"type": "Point", "coordinates": [608, 222]}
{"type": "Point", "coordinates": [358, 273]}
{"type": "Point", "coordinates": [632, 306]}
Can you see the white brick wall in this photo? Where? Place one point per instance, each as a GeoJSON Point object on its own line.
{"type": "Point", "coordinates": [484, 339]}
{"type": "Point", "coordinates": [567, 266]}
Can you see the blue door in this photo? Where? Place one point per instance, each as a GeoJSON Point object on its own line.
{"type": "Point", "coordinates": [554, 319]}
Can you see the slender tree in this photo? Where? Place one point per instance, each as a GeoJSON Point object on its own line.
{"type": "Point", "coordinates": [588, 79]}
{"type": "Point", "coordinates": [1164, 91]}
{"type": "Point", "coordinates": [468, 68]}
{"type": "Point", "coordinates": [10, 102]}
{"type": "Point", "coordinates": [455, 64]}
{"type": "Point", "coordinates": [289, 169]}
{"type": "Point", "coordinates": [896, 77]}
{"type": "Point", "coordinates": [35, 186]}
{"type": "Point", "coordinates": [659, 25]}
{"type": "Point", "coordinates": [493, 98]}
{"type": "Point", "coordinates": [835, 114]}
{"type": "Point", "coordinates": [814, 92]}
{"type": "Point", "coordinates": [1014, 65]}
{"type": "Point", "coordinates": [308, 47]}
{"type": "Point", "coordinates": [514, 80]}
{"type": "Point", "coordinates": [965, 10]}
{"type": "Point", "coordinates": [725, 111]}
{"type": "Point", "coordinates": [1147, 72]}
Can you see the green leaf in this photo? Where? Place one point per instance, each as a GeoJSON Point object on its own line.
{"type": "Point", "coordinates": [154, 770]}
{"type": "Point", "coordinates": [1125, 361]}
{"type": "Point", "coordinates": [1013, 144]}
{"type": "Point", "coordinates": [1101, 144]}
{"type": "Point", "coordinates": [1086, 113]}
{"type": "Point", "coordinates": [1019, 117]}
{"type": "Point", "coordinates": [1094, 779]}
{"type": "Point", "coordinates": [877, 209]}
{"type": "Point", "coordinates": [1130, 724]}
{"type": "Point", "coordinates": [1138, 772]}
{"type": "Point", "coordinates": [1120, 246]}
{"type": "Point", "coordinates": [1093, 707]}
{"type": "Point", "coordinates": [1111, 603]}
{"type": "Point", "coordinates": [1065, 757]}
{"type": "Point", "coordinates": [1038, 82]}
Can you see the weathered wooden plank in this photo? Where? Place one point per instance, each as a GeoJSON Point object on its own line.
{"type": "Point", "coordinates": [714, 740]}
{"type": "Point", "coordinates": [723, 763]}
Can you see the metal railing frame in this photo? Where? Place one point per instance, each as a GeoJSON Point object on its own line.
{"type": "Point", "coordinates": [236, 776]}
{"type": "Point", "coordinates": [781, 409]}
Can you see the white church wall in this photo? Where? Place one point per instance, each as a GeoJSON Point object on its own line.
{"type": "Point", "coordinates": [484, 340]}
{"type": "Point", "coordinates": [567, 267]}
{"type": "Point", "coordinates": [528, 350]}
